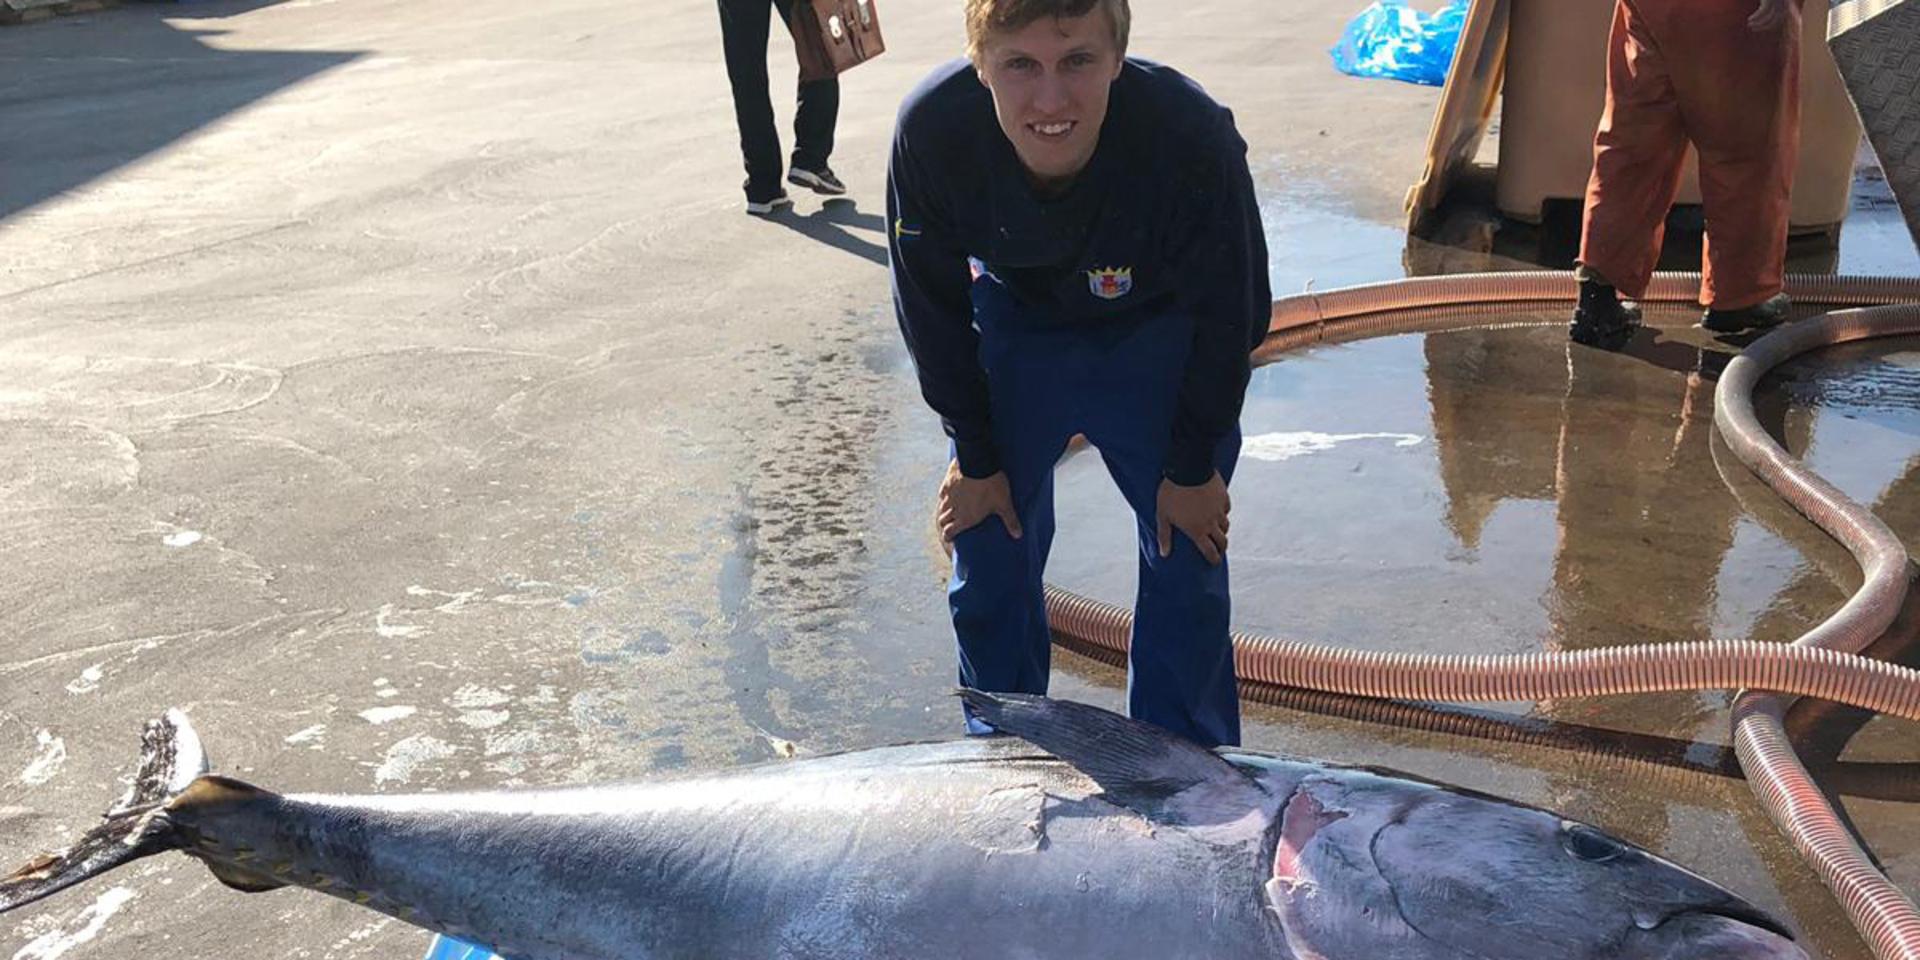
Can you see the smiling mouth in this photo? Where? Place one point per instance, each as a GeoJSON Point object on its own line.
{"type": "Point", "coordinates": [1053, 131]}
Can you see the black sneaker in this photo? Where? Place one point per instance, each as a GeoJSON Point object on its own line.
{"type": "Point", "coordinates": [765, 204]}
{"type": "Point", "coordinates": [819, 181]}
{"type": "Point", "coordinates": [1601, 320]}
{"type": "Point", "coordinates": [1760, 316]}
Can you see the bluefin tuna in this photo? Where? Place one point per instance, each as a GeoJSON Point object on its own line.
{"type": "Point", "coordinates": [1085, 834]}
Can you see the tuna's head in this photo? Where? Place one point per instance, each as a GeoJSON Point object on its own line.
{"type": "Point", "coordinates": [1373, 867]}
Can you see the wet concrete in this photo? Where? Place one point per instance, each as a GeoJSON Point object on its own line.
{"type": "Point", "coordinates": [398, 388]}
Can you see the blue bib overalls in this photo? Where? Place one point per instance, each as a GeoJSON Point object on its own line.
{"type": "Point", "coordinates": [1119, 384]}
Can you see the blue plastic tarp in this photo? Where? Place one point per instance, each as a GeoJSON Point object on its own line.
{"type": "Point", "coordinates": [1390, 39]}
{"type": "Point", "coordinates": [447, 948]}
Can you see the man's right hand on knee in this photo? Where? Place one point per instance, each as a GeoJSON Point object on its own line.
{"type": "Point", "coordinates": [965, 501]}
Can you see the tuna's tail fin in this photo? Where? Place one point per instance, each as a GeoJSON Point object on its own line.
{"type": "Point", "coordinates": [135, 827]}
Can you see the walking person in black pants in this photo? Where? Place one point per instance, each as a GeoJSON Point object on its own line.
{"type": "Point", "coordinates": [744, 26]}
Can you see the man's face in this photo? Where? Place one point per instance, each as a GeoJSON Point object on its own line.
{"type": "Point", "coordinates": [1050, 81]}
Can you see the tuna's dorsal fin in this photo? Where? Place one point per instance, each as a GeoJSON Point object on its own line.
{"type": "Point", "coordinates": [1137, 765]}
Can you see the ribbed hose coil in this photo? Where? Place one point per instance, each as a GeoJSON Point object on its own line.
{"type": "Point", "coordinates": [1882, 913]}
{"type": "Point", "coordinates": [1653, 668]}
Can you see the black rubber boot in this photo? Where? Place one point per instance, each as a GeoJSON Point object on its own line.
{"type": "Point", "coordinates": [1601, 319]}
{"type": "Point", "coordinates": [1760, 316]}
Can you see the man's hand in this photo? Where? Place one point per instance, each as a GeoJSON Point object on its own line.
{"type": "Point", "coordinates": [1770, 15]}
{"type": "Point", "coordinates": [965, 502]}
{"type": "Point", "coordinates": [1199, 512]}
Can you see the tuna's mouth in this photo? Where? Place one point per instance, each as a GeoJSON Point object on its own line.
{"type": "Point", "coordinates": [1738, 912]}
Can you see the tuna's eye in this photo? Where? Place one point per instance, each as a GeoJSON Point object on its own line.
{"type": "Point", "coordinates": [1589, 844]}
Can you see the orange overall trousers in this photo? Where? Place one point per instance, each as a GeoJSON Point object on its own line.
{"type": "Point", "coordinates": [1691, 70]}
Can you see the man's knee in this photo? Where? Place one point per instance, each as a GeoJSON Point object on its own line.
{"type": "Point", "coordinates": [989, 566]}
{"type": "Point", "coordinates": [1185, 573]}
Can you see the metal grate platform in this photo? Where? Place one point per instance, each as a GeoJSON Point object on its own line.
{"type": "Point", "coordinates": [1877, 45]}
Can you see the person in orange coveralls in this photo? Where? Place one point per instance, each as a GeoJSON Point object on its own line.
{"type": "Point", "coordinates": [1725, 75]}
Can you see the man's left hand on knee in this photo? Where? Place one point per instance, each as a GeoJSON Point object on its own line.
{"type": "Point", "coordinates": [1200, 512]}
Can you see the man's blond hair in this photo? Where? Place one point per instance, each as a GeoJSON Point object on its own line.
{"type": "Point", "coordinates": [986, 17]}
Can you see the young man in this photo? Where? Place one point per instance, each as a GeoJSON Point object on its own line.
{"type": "Point", "coordinates": [1076, 249]}
{"type": "Point", "coordinates": [1724, 75]}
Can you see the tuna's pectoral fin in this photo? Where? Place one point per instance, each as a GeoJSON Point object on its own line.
{"type": "Point", "coordinates": [1137, 765]}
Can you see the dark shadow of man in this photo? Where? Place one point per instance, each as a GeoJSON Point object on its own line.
{"type": "Point", "coordinates": [834, 225]}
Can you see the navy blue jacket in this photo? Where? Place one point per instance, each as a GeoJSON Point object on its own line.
{"type": "Point", "coordinates": [1166, 198]}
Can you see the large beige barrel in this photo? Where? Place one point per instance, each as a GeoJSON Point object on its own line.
{"type": "Point", "coordinates": [1556, 87]}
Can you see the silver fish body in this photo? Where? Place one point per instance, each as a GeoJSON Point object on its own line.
{"type": "Point", "coordinates": [884, 853]}
{"type": "Point", "coordinates": [1140, 845]}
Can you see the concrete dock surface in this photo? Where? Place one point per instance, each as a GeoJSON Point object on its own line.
{"type": "Point", "coordinates": [400, 389]}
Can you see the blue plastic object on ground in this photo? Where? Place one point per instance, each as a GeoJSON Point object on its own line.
{"type": "Point", "coordinates": [1390, 39]}
{"type": "Point", "coordinates": [447, 948]}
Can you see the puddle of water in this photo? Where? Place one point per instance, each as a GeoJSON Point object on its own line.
{"type": "Point", "coordinates": [1875, 241]}
{"type": "Point", "coordinates": [1316, 245]}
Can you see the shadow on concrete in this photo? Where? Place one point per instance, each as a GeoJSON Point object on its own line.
{"type": "Point", "coordinates": [83, 96]}
{"type": "Point", "coordinates": [833, 224]}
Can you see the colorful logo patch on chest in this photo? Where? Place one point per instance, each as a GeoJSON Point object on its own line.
{"type": "Point", "coordinates": [1110, 283]}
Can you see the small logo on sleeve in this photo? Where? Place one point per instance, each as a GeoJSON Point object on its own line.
{"type": "Point", "coordinates": [1110, 283]}
{"type": "Point", "coordinates": [900, 229]}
